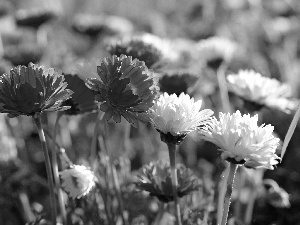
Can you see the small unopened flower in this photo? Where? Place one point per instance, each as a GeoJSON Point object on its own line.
{"type": "Point", "coordinates": [30, 90]}
{"type": "Point", "coordinates": [77, 181]}
{"type": "Point", "coordinates": [215, 50]}
{"type": "Point", "coordinates": [141, 48]}
{"type": "Point", "coordinates": [242, 141]}
{"type": "Point", "coordinates": [262, 91]}
{"type": "Point", "coordinates": [156, 179]}
{"type": "Point", "coordinates": [83, 98]}
{"type": "Point", "coordinates": [125, 88]}
{"type": "Point", "coordinates": [176, 116]}
{"type": "Point", "coordinates": [176, 82]}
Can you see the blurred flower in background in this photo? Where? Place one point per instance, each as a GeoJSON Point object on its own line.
{"type": "Point", "coordinates": [176, 116]}
{"type": "Point", "coordinates": [242, 141]}
{"type": "Point", "coordinates": [30, 90]}
{"type": "Point", "coordinates": [83, 98]}
{"type": "Point", "coordinates": [176, 82]}
{"type": "Point", "coordinates": [77, 181]}
{"type": "Point", "coordinates": [261, 91]}
{"type": "Point", "coordinates": [215, 50]}
{"type": "Point", "coordinates": [125, 88]}
{"type": "Point", "coordinates": [148, 48]}
{"type": "Point", "coordinates": [156, 179]}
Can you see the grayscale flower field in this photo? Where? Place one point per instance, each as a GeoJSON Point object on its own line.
{"type": "Point", "coordinates": [139, 112]}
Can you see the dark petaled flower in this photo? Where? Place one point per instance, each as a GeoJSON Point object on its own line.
{"type": "Point", "coordinates": [30, 90]}
{"type": "Point", "coordinates": [138, 49]}
{"type": "Point", "coordinates": [125, 88]}
{"type": "Point", "coordinates": [156, 179]}
{"type": "Point", "coordinates": [176, 82]}
{"type": "Point", "coordinates": [33, 18]}
{"type": "Point", "coordinates": [23, 54]}
{"type": "Point", "coordinates": [83, 98]}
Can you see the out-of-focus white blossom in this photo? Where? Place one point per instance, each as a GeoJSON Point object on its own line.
{"type": "Point", "coordinates": [215, 48]}
{"type": "Point", "coordinates": [178, 115]}
{"type": "Point", "coordinates": [241, 140]}
{"type": "Point", "coordinates": [254, 87]}
{"type": "Point", "coordinates": [77, 181]}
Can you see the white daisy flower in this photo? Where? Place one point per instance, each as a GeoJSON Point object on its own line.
{"type": "Point", "coordinates": [214, 50]}
{"type": "Point", "coordinates": [242, 141]}
{"type": "Point", "coordinates": [177, 116]}
{"type": "Point", "coordinates": [254, 87]}
{"type": "Point", "coordinates": [77, 181]}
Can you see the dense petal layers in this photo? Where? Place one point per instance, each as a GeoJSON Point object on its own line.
{"type": "Point", "coordinates": [77, 181]}
{"type": "Point", "coordinates": [178, 115]}
{"type": "Point", "coordinates": [30, 90]}
{"type": "Point", "coordinates": [242, 140]}
{"type": "Point", "coordinates": [125, 88]}
{"type": "Point", "coordinates": [156, 179]}
{"type": "Point", "coordinates": [261, 90]}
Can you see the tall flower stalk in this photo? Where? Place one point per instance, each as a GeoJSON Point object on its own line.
{"type": "Point", "coordinates": [174, 117]}
{"type": "Point", "coordinates": [243, 142]}
{"type": "Point", "coordinates": [37, 121]}
{"type": "Point", "coordinates": [31, 91]}
{"type": "Point", "coordinates": [232, 170]}
{"type": "Point", "coordinates": [172, 155]}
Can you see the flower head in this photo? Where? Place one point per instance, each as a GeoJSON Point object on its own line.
{"type": "Point", "coordinates": [125, 88]}
{"type": "Point", "coordinates": [156, 179]}
{"type": "Point", "coordinates": [176, 116]}
{"type": "Point", "coordinates": [88, 24]}
{"type": "Point", "coordinates": [264, 91]}
{"type": "Point", "coordinates": [77, 181]}
{"type": "Point", "coordinates": [177, 82]}
{"type": "Point", "coordinates": [242, 141]}
{"type": "Point", "coordinates": [33, 17]}
{"type": "Point", "coordinates": [30, 90]}
{"type": "Point", "coordinates": [83, 98]}
{"type": "Point", "coordinates": [213, 51]}
{"type": "Point", "coordinates": [138, 48]}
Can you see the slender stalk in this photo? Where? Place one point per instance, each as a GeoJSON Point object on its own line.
{"type": "Point", "coordinates": [55, 172]}
{"type": "Point", "coordinates": [115, 182]}
{"type": "Point", "coordinates": [172, 155]}
{"type": "Point", "coordinates": [223, 88]}
{"type": "Point", "coordinates": [221, 193]}
{"type": "Point", "coordinates": [104, 198]}
{"type": "Point", "coordinates": [250, 207]}
{"type": "Point", "coordinates": [93, 151]}
{"type": "Point", "coordinates": [38, 123]}
{"type": "Point", "coordinates": [232, 170]}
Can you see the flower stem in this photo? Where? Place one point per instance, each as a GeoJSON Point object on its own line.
{"type": "Point", "coordinates": [232, 170]}
{"type": "Point", "coordinates": [38, 123]}
{"type": "Point", "coordinates": [55, 171]}
{"type": "Point", "coordinates": [172, 155]}
{"type": "Point", "coordinates": [223, 88]}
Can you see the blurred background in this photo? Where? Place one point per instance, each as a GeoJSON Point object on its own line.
{"type": "Point", "coordinates": [65, 33]}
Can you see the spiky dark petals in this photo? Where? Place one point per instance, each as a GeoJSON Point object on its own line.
{"type": "Point", "coordinates": [125, 88]}
{"type": "Point", "coordinates": [156, 179]}
{"type": "Point", "coordinates": [33, 89]}
{"type": "Point", "coordinates": [138, 49]}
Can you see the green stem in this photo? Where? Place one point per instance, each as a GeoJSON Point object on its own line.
{"type": "Point", "coordinates": [115, 179]}
{"type": "Point", "coordinates": [232, 170]}
{"type": "Point", "coordinates": [38, 124]}
{"type": "Point", "coordinates": [223, 88]}
{"type": "Point", "coordinates": [93, 151]}
{"type": "Point", "coordinates": [172, 155]}
{"type": "Point", "coordinates": [250, 207]}
{"type": "Point", "coordinates": [55, 171]}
